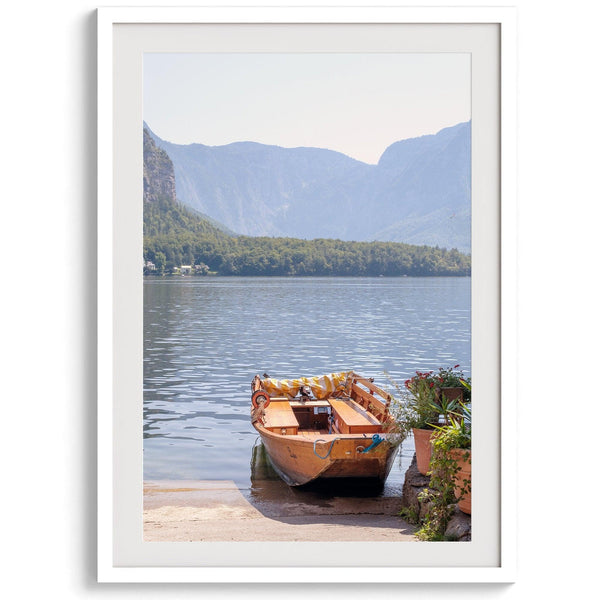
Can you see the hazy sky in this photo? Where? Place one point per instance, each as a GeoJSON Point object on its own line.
{"type": "Point", "coordinates": [357, 104]}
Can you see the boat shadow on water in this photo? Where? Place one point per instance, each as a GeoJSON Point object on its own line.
{"type": "Point", "coordinates": [330, 501]}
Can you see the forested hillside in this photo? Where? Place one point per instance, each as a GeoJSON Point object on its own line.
{"type": "Point", "coordinates": [175, 235]}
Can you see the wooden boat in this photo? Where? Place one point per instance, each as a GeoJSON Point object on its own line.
{"type": "Point", "coordinates": [334, 426]}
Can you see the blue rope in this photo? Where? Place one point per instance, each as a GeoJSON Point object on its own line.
{"type": "Point", "coordinates": [377, 439]}
{"type": "Point", "coordinates": [328, 452]}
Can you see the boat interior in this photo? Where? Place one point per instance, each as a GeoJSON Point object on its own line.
{"type": "Point", "coordinates": [359, 408]}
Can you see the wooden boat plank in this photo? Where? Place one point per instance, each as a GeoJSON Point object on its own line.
{"type": "Point", "coordinates": [329, 437]}
{"type": "Point", "coordinates": [368, 398]}
{"type": "Point", "coordinates": [313, 435]}
{"type": "Point", "coordinates": [280, 414]}
{"type": "Point", "coordinates": [351, 419]}
{"type": "Point", "coordinates": [373, 389]}
{"type": "Point", "coordinates": [311, 403]}
{"type": "Point", "coordinates": [361, 411]}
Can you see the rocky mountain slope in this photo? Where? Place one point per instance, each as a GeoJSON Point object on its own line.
{"type": "Point", "coordinates": [418, 193]}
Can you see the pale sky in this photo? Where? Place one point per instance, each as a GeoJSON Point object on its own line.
{"type": "Point", "coordinates": [357, 104]}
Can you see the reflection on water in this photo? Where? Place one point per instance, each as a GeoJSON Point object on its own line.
{"type": "Point", "coordinates": [205, 338]}
{"type": "Point", "coordinates": [260, 465]}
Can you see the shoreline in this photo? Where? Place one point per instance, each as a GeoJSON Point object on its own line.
{"type": "Point", "coordinates": [220, 511]}
{"type": "Point", "coordinates": [302, 276]}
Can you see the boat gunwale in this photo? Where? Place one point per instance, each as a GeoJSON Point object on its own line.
{"type": "Point", "coordinates": [328, 437]}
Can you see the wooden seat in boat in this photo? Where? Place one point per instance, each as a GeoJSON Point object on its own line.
{"type": "Point", "coordinates": [350, 417]}
{"type": "Point", "coordinates": [280, 418]}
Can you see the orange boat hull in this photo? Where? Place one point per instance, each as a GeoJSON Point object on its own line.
{"type": "Point", "coordinates": [300, 459]}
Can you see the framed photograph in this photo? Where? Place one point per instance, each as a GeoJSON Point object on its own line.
{"type": "Point", "coordinates": [306, 235]}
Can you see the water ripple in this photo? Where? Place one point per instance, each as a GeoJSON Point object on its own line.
{"type": "Point", "coordinates": [205, 338]}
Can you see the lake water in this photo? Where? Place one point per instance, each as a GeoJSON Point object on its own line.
{"type": "Point", "coordinates": [206, 337]}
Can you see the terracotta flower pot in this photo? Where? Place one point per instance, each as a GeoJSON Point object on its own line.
{"type": "Point", "coordinates": [450, 393]}
{"type": "Point", "coordinates": [463, 478]}
{"type": "Point", "coordinates": [423, 449]}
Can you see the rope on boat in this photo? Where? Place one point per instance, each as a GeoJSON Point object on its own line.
{"type": "Point", "coordinates": [328, 452]}
{"type": "Point", "coordinates": [377, 439]}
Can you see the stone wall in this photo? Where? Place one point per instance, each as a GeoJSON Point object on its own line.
{"type": "Point", "coordinates": [459, 527]}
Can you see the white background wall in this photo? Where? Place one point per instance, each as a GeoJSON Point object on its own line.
{"type": "Point", "coordinates": [47, 435]}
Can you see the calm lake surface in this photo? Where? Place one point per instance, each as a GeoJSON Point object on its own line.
{"type": "Point", "coordinates": [206, 337]}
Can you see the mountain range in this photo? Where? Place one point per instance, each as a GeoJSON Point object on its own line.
{"type": "Point", "coordinates": [418, 193]}
{"type": "Point", "coordinates": [178, 238]}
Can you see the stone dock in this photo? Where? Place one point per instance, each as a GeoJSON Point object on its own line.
{"type": "Point", "coordinates": [214, 511]}
{"type": "Point", "coordinates": [459, 527]}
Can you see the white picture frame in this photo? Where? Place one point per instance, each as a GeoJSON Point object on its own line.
{"type": "Point", "coordinates": [122, 554]}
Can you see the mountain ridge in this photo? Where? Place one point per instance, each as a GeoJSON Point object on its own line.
{"type": "Point", "coordinates": [179, 240]}
{"type": "Point", "coordinates": [418, 192]}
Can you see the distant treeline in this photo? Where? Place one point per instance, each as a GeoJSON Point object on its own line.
{"type": "Point", "coordinates": [175, 236]}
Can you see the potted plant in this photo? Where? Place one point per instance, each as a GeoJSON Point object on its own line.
{"type": "Point", "coordinates": [452, 455]}
{"type": "Point", "coordinates": [426, 401]}
{"type": "Point", "coordinates": [422, 416]}
{"type": "Point", "coordinates": [436, 396]}
{"type": "Point", "coordinates": [420, 409]}
{"type": "Point", "coordinates": [450, 384]}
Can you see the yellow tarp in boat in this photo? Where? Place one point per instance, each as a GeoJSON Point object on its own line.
{"type": "Point", "coordinates": [321, 386]}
